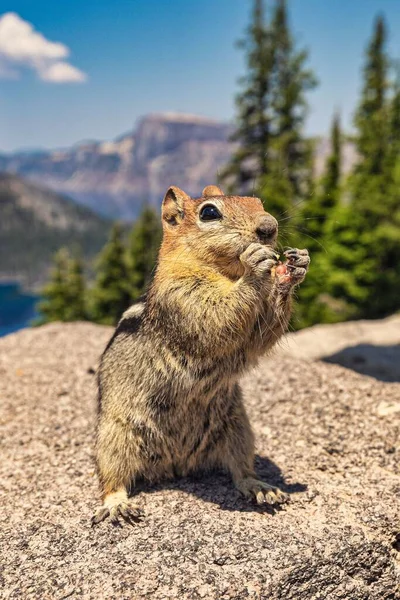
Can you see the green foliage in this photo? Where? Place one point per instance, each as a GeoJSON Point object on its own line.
{"type": "Point", "coordinates": [77, 290]}
{"type": "Point", "coordinates": [291, 81]}
{"type": "Point", "coordinates": [393, 150]}
{"type": "Point", "coordinates": [314, 222]}
{"type": "Point", "coordinates": [359, 275]}
{"type": "Point", "coordinates": [276, 192]}
{"type": "Point", "coordinates": [352, 228]}
{"type": "Point", "coordinates": [143, 248]}
{"type": "Point", "coordinates": [374, 243]}
{"type": "Point", "coordinates": [273, 159]}
{"type": "Point", "coordinates": [110, 295]}
{"type": "Point", "coordinates": [123, 273]}
{"type": "Point", "coordinates": [55, 294]}
{"type": "Point", "coordinates": [317, 210]}
{"type": "Point", "coordinates": [371, 116]}
{"type": "Point", "coordinates": [253, 105]}
{"type": "Point", "coordinates": [64, 295]}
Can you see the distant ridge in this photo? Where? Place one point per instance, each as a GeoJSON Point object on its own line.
{"type": "Point", "coordinates": [115, 178]}
{"type": "Point", "coordinates": [35, 222]}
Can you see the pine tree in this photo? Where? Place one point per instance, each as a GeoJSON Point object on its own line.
{"type": "Point", "coordinates": [76, 285]}
{"type": "Point", "coordinates": [63, 297]}
{"type": "Point", "coordinates": [368, 183]}
{"type": "Point", "coordinates": [143, 248]}
{"type": "Point", "coordinates": [291, 80]}
{"type": "Point", "coordinates": [110, 295]}
{"type": "Point", "coordinates": [393, 149]}
{"type": "Point", "coordinates": [253, 107]}
{"type": "Point", "coordinates": [371, 115]}
{"type": "Point", "coordinates": [367, 239]}
{"type": "Point", "coordinates": [55, 294]}
{"type": "Point", "coordinates": [319, 207]}
{"type": "Point", "coordinates": [316, 304]}
{"type": "Point", "coordinates": [273, 159]}
{"type": "Point", "coordinates": [364, 237]}
{"type": "Point", "coordinates": [387, 233]}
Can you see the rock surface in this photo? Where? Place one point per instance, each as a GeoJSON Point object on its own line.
{"type": "Point", "coordinates": [368, 347]}
{"type": "Point", "coordinates": [325, 434]}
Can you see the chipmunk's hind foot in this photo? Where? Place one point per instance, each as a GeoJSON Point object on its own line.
{"type": "Point", "coordinates": [119, 508]}
{"type": "Point", "coordinates": [261, 492]}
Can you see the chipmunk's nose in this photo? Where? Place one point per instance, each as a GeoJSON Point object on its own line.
{"type": "Point", "coordinates": [267, 229]}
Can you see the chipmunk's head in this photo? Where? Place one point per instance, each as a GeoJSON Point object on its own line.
{"type": "Point", "coordinates": [215, 228]}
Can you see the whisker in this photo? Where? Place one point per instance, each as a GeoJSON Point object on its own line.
{"type": "Point", "coordinates": [317, 218]}
{"type": "Point", "coordinates": [295, 205]}
{"type": "Point", "coordinates": [313, 238]}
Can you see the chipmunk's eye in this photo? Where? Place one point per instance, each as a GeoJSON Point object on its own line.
{"type": "Point", "coordinates": [209, 212]}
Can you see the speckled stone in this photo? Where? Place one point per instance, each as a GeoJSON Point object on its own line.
{"type": "Point", "coordinates": [322, 435]}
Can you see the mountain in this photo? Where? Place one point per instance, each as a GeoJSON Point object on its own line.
{"type": "Point", "coordinates": [35, 222]}
{"type": "Point", "coordinates": [115, 178]}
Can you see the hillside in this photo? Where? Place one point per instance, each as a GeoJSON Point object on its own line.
{"type": "Point", "coordinates": [114, 178]}
{"type": "Point", "coordinates": [328, 436]}
{"type": "Point", "coordinates": [35, 222]}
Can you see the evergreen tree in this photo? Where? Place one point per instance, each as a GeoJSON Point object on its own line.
{"type": "Point", "coordinates": [316, 304]}
{"type": "Point", "coordinates": [253, 107]}
{"type": "Point", "coordinates": [365, 238]}
{"type": "Point", "coordinates": [55, 296]}
{"type": "Point", "coordinates": [387, 234]}
{"type": "Point", "coordinates": [273, 160]}
{"type": "Point", "coordinates": [393, 149]}
{"type": "Point", "coordinates": [143, 249]}
{"type": "Point", "coordinates": [110, 296]}
{"type": "Point", "coordinates": [371, 115]}
{"type": "Point", "coordinates": [319, 207]}
{"type": "Point", "coordinates": [76, 285]}
{"type": "Point", "coordinates": [290, 82]}
{"type": "Point", "coordinates": [64, 295]}
{"type": "Point", "coordinates": [370, 178]}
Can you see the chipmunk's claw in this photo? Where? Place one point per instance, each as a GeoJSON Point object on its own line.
{"type": "Point", "coordinates": [297, 258]}
{"type": "Point", "coordinates": [261, 492]}
{"type": "Point", "coordinates": [102, 513]}
{"type": "Point", "coordinates": [126, 511]}
{"type": "Point", "coordinates": [131, 514]}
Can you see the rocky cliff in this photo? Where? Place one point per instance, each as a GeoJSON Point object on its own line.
{"type": "Point", "coordinates": [327, 435]}
{"type": "Point", "coordinates": [115, 178]}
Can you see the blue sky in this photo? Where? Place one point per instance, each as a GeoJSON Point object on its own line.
{"type": "Point", "coordinates": [141, 56]}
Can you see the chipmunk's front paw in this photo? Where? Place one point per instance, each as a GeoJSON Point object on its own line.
{"type": "Point", "coordinates": [259, 260]}
{"type": "Point", "coordinates": [261, 492]}
{"type": "Point", "coordinates": [294, 270]}
{"type": "Point", "coordinates": [125, 510]}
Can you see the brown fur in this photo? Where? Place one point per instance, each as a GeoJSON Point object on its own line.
{"type": "Point", "coordinates": [169, 398]}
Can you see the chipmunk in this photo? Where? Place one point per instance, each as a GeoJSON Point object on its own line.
{"type": "Point", "coordinates": [169, 398]}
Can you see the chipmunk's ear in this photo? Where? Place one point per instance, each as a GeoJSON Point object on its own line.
{"type": "Point", "coordinates": [172, 205]}
{"type": "Point", "coordinates": [212, 190]}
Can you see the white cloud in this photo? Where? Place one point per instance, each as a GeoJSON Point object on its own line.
{"type": "Point", "coordinates": [22, 46]}
{"type": "Point", "coordinates": [59, 72]}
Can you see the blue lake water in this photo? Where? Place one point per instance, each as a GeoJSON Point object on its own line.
{"type": "Point", "coordinates": [17, 308]}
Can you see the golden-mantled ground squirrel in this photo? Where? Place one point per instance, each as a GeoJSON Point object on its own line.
{"type": "Point", "coordinates": [169, 398]}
